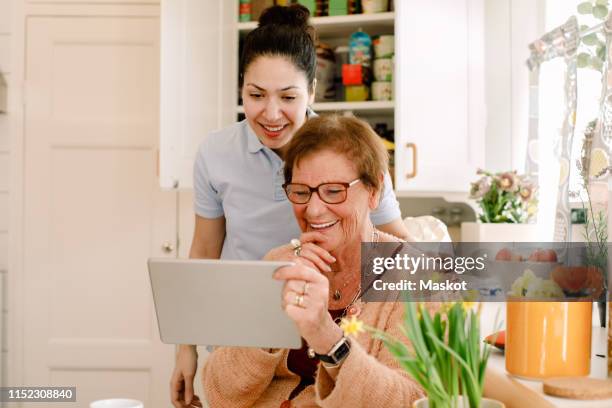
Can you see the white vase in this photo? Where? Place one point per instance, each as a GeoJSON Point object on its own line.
{"type": "Point", "coordinates": [463, 403]}
{"type": "Point", "coordinates": [492, 232]}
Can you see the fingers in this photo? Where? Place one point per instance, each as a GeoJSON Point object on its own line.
{"type": "Point", "coordinates": [298, 286]}
{"type": "Point", "coordinates": [313, 236]}
{"type": "Point", "coordinates": [309, 254]}
{"type": "Point", "coordinates": [195, 402]}
{"type": "Point", "coordinates": [322, 253]}
{"type": "Point", "coordinates": [176, 388]}
{"type": "Point", "coordinates": [291, 298]}
{"type": "Point", "coordinates": [188, 388]}
{"type": "Point", "coordinates": [315, 295]}
{"type": "Point", "coordinates": [299, 272]}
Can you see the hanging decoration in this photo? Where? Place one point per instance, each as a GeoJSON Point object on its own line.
{"type": "Point", "coordinates": [560, 42]}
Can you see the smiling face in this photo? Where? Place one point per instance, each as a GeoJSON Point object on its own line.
{"type": "Point", "coordinates": [343, 223]}
{"type": "Point", "coordinates": [275, 95]}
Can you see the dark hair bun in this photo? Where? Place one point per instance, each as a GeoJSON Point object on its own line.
{"type": "Point", "coordinates": [295, 15]}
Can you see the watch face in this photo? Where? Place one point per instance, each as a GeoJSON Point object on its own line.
{"type": "Point", "coordinates": [338, 353]}
{"type": "Point", "coordinates": [341, 352]}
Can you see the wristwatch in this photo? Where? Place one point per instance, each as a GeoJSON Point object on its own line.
{"type": "Point", "coordinates": [337, 353]}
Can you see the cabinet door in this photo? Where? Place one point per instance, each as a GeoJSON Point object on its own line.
{"type": "Point", "coordinates": [440, 114]}
{"type": "Point", "coordinates": [93, 209]}
{"type": "Point", "coordinates": [198, 89]}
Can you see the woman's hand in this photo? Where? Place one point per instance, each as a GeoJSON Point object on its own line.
{"type": "Point", "coordinates": [181, 383]}
{"type": "Point", "coordinates": [310, 251]}
{"type": "Point", "coordinates": [305, 300]}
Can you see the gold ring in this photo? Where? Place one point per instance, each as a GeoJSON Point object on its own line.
{"type": "Point", "coordinates": [299, 300]}
{"type": "Point", "coordinates": [305, 290]}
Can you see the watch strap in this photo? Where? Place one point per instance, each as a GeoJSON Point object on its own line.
{"type": "Point", "coordinates": [337, 353]}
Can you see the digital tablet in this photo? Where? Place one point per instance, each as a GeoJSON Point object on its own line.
{"type": "Point", "coordinates": [220, 303]}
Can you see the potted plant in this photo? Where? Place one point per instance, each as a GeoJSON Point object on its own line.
{"type": "Point", "coordinates": [448, 358]}
{"type": "Point", "coordinates": [506, 202]}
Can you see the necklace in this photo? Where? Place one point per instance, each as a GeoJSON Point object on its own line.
{"type": "Point", "coordinates": [338, 292]}
{"type": "Point", "coordinates": [349, 306]}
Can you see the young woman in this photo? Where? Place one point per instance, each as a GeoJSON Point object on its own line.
{"type": "Point", "coordinates": [241, 209]}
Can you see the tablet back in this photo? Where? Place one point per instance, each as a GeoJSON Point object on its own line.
{"type": "Point", "coordinates": [220, 303]}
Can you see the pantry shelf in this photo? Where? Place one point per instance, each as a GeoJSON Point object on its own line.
{"type": "Point", "coordinates": [341, 25]}
{"type": "Point", "coordinates": [356, 107]}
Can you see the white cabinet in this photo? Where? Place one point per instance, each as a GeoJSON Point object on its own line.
{"type": "Point", "coordinates": [440, 110]}
{"type": "Point", "coordinates": [197, 87]}
{"type": "Point", "coordinates": [438, 113]}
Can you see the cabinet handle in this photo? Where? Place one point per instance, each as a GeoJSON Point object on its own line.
{"type": "Point", "coordinates": [413, 173]}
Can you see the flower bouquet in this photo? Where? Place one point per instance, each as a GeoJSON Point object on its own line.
{"type": "Point", "coordinates": [504, 197]}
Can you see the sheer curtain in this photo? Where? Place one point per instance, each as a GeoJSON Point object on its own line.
{"type": "Point", "coordinates": [551, 111]}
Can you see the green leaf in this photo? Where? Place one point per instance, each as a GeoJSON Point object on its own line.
{"type": "Point", "coordinates": [590, 39]}
{"type": "Point", "coordinates": [596, 63]}
{"type": "Point", "coordinates": [583, 27]}
{"type": "Point", "coordinates": [583, 60]}
{"type": "Point", "coordinates": [600, 12]}
{"type": "Point", "coordinates": [585, 8]}
{"type": "Point", "coordinates": [602, 3]}
{"type": "Point", "coordinates": [601, 52]}
{"type": "Point", "coordinates": [470, 375]}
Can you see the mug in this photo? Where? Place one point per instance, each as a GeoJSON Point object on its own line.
{"type": "Point", "coordinates": [117, 403]}
{"type": "Point", "coordinates": [383, 69]}
{"type": "Point", "coordinates": [382, 91]}
{"type": "Point", "coordinates": [374, 6]}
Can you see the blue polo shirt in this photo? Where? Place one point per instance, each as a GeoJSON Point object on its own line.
{"type": "Point", "coordinates": [236, 176]}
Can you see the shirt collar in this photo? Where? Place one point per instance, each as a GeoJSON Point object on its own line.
{"type": "Point", "coordinates": [253, 141]}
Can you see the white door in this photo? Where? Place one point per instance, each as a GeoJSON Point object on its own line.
{"type": "Point", "coordinates": [93, 209]}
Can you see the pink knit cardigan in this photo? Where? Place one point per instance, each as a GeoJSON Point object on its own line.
{"type": "Point", "coordinates": [369, 377]}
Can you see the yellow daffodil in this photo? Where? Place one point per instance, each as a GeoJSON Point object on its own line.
{"type": "Point", "coordinates": [351, 326]}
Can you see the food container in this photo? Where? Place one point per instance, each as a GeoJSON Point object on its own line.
{"type": "Point", "coordinates": [384, 46]}
{"type": "Point", "coordinates": [374, 6]}
{"type": "Point", "coordinates": [357, 93]}
{"type": "Point", "coordinates": [338, 7]}
{"type": "Point", "coordinates": [383, 69]}
{"type": "Point", "coordinates": [244, 11]}
{"type": "Point", "coordinates": [382, 91]}
{"type": "Point", "coordinates": [360, 49]}
{"type": "Point", "coordinates": [355, 74]}
{"type": "Point", "coordinates": [548, 339]}
{"type": "Point", "coordinates": [311, 5]}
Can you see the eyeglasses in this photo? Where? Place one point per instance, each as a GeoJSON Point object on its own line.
{"type": "Point", "coordinates": [331, 193]}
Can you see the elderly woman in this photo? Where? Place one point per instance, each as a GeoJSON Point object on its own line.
{"type": "Point", "coordinates": [334, 170]}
